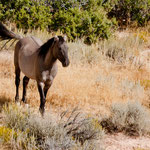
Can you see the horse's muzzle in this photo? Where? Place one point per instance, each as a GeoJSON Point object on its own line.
{"type": "Point", "coordinates": [66, 63]}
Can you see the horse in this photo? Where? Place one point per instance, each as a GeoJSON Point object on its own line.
{"type": "Point", "coordinates": [37, 61]}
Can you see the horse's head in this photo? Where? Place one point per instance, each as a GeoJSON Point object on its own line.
{"type": "Point", "coordinates": [61, 50]}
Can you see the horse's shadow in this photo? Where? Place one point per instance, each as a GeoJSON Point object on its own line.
{"type": "Point", "coordinates": [3, 100]}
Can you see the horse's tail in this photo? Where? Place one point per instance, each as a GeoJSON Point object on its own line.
{"type": "Point", "coordinates": [6, 34]}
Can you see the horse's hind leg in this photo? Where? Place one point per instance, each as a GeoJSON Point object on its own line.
{"type": "Point", "coordinates": [17, 82]}
{"type": "Point", "coordinates": [25, 83]}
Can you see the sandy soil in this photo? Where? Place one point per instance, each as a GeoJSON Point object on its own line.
{"type": "Point", "coordinates": [122, 142]}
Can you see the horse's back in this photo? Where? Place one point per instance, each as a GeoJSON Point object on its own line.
{"type": "Point", "coordinates": [26, 52]}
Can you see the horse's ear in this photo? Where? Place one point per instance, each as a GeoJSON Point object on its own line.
{"type": "Point", "coordinates": [56, 38]}
{"type": "Point", "coordinates": [65, 38]}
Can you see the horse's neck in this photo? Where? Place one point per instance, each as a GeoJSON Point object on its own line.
{"type": "Point", "coordinates": [49, 59]}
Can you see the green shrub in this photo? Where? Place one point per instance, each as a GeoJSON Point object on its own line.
{"type": "Point", "coordinates": [76, 23]}
{"type": "Point", "coordinates": [77, 19]}
{"type": "Point", "coordinates": [82, 19]}
{"type": "Point", "coordinates": [25, 13]}
{"type": "Point", "coordinates": [128, 11]}
{"type": "Point", "coordinates": [88, 19]}
{"type": "Point", "coordinates": [62, 5]}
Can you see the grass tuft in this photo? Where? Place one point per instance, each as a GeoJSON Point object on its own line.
{"type": "Point", "coordinates": [131, 118]}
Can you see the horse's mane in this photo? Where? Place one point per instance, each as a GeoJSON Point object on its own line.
{"type": "Point", "coordinates": [46, 46]}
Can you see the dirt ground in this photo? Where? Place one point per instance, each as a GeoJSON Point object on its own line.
{"type": "Point", "coordinates": [121, 142]}
{"type": "Point", "coordinates": [96, 102]}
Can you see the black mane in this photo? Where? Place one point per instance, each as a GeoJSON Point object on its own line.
{"type": "Point", "coordinates": [61, 39]}
{"type": "Point", "coordinates": [45, 47]}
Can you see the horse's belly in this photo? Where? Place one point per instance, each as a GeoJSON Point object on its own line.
{"type": "Point", "coordinates": [26, 64]}
{"type": "Point", "coordinates": [27, 71]}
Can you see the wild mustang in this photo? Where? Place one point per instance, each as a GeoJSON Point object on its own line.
{"type": "Point", "coordinates": [37, 61]}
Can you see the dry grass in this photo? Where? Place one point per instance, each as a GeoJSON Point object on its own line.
{"type": "Point", "coordinates": [95, 78]}
{"type": "Point", "coordinates": [22, 128]}
{"type": "Point", "coordinates": [92, 81]}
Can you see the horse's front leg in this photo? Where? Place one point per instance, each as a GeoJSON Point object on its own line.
{"type": "Point", "coordinates": [46, 87]}
{"type": "Point", "coordinates": [42, 97]}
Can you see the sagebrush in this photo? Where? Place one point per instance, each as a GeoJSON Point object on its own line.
{"type": "Point", "coordinates": [131, 118]}
{"type": "Point", "coordinates": [24, 129]}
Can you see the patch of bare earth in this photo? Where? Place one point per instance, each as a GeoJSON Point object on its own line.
{"type": "Point", "coordinates": [122, 142]}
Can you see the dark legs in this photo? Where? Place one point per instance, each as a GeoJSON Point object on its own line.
{"type": "Point", "coordinates": [46, 87]}
{"type": "Point", "coordinates": [42, 88]}
{"type": "Point", "coordinates": [42, 97]}
{"type": "Point", "coordinates": [43, 92]}
{"type": "Point", "coordinates": [25, 83]}
{"type": "Point", "coordinates": [17, 82]}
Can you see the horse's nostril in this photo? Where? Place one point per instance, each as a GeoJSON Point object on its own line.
{"type": "Point", "coordinates": [66, 63]}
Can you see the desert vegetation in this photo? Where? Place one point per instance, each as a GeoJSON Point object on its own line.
{"type": "Point", "coordinates": [24, 129]}
{"type": "Point", "coordinates": [90, 20]}
{"type": "Point", "coordinates": [106, 81]}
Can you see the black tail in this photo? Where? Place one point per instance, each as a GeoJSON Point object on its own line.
{"type": "Point", "coordinates": [5, 34]}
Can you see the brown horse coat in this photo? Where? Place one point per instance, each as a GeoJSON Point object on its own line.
{"type": "Point", "coordinates": [37, 61]}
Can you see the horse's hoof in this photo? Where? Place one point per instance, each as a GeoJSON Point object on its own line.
{"type": "Point", "coordinates": [24, 100]}
{"type": "Point", "coordinates": [16, 99]}
{"type": "Point", "coordinates": [27, 106]}
{"type": "Point", "coordinates": [42, 111]}
{"type": "Point", "coordinates": [18, 104]}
